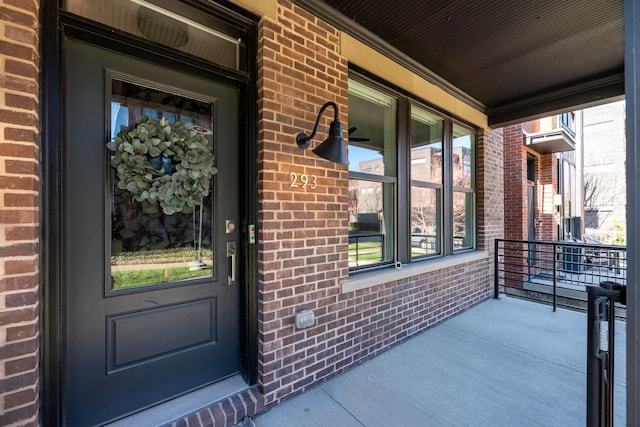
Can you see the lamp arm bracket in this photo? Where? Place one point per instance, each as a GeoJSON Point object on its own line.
{"type": "Point", "coordinates": [302, 139]}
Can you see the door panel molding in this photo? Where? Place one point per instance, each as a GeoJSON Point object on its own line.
{"type": "Point", "coordinates": [123, 330]}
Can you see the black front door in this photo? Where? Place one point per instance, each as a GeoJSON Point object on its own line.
{"type": "Point", "coordinates": [149, 292]}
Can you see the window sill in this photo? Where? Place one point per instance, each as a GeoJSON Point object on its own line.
{"type": "Point", "coordinates": [374, 278]}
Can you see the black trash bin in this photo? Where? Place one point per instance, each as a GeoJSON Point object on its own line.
{"type": "Point", "coordinates": [573, 258]}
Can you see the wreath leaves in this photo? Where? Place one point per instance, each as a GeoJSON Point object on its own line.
{"type": "Point", "coordinates": [162, 162]}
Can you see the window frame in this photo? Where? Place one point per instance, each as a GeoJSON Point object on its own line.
{"type": "Point", "coordinates": [402, 207]}
{"type": "Point", "coordinates": [441, 187]}
{"type": "Point", "coordinates": [467, 190]}
{"type": "Point", "coordinates": [384, 179]}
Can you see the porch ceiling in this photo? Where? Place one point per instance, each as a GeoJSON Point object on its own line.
{"type": "Point", "coordinates": [515, 60]}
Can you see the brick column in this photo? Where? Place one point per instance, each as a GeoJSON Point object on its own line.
{"type": "Point", "coordinates": [492, 193]}
{"type": "Point", "coordinates": [19, 213]}
{"type": "Point", "coordinates": [515, 173]}
{"type": "Point", "coordinates": [303, 228]}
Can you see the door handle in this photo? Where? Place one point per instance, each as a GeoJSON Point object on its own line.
{"type": "Point", "coordinates": [231, 256]}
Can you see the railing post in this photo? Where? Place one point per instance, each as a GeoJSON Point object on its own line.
{"type": "Point", "coordinates": [496, 276]}
{"type": "Point", "coordinates": [555, 274]}
{"type": "Point", "coordinates": [357, 250]}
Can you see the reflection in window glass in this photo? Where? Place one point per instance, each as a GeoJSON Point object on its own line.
{"type": "Point", "coordinates": [372, 131]}
{"type": "Point", "coordinates": [425, 221]}
{"type": "Point", "coordinates": [426, 183]}
{"type": "Point", "coordinates": [463, 171]}
{"type": "Point", "coordinates": [463, 231]}
{"type": "Point", "coordinates": [370, 226]}
{"type": "Point", "coordinates": [462, 157]}
{"type": "Point", "coordinates": [149, 246]}
{"type": "Point", "coordinates": [426, 147]}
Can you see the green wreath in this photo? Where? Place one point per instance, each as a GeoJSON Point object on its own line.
{"type": "Point", "coordinates": [162, 162]}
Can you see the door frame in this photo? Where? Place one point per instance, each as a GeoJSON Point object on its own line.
{"type": "Point", "coordinates": [56, 26]}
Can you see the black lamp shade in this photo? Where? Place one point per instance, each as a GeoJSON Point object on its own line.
{"type": "Point", "coordinates": [333, 148]}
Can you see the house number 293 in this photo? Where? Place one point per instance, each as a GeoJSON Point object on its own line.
{"type": "Point", "coordinates": [303, 180]}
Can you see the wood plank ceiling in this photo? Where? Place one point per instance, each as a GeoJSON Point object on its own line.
{"type": "Point", "coordinates": [514, 59]}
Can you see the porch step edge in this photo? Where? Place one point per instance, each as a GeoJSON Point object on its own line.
{"type": "Point", "coordinates": [231, 411]}
{"type": "Point", "coordinates": [183, 407]}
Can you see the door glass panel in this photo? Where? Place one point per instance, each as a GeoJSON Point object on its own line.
{"type": "Point", "coordinates": [160, 176]}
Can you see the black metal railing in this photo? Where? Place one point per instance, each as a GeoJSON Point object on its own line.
{"type": "Point", "coordinates": [539, 269]}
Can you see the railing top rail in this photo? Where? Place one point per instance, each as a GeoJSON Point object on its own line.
{"type": "Point", "coordinates": [565, 243]}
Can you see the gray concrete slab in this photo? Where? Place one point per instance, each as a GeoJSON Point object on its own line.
{"type": "Point", "coordinates": [503, 362]}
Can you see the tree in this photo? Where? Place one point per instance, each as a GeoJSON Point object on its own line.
{"type": "Point", "coordinates": [599, 192]}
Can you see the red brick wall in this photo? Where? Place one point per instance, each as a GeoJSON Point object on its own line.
{"type": "Point", "coordinates": [19, 215]}
{"type": "Point", "coordinates": [491, 191]}
{"type": "Point", "coordinates": [303, 238]}
{"type": "Point", "coordinates": [515, 194]}
{"type": "Point", "coordinates": [531, 127]}
{"type": "Point", "coordinates": [547, 213]}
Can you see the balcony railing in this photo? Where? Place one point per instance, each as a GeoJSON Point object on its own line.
{"type": "Point", "coordinates": [568, 122]}
{"type": "Point", "coordinates": [556, 271]}
{"type": "Point", "coordinates": [561, 137]}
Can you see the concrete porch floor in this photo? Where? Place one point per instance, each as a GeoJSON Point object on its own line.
{"type": "Point", "coordinates": [503, 362]}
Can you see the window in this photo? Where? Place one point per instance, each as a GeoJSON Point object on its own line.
{"type": "Point", "coordinates": [411, 180]}
{"type": "Point", "coordinates": [463, 153]}
{"type": "Point", "coordinates": [372, 176]}
{"type": "Point", "coordinates": [426, 183]}
{"type": "Point", "coordinates": [568, 122]}
{"type": "Point", "coordinates": [568, 188]}
{"type": "Point", "coordinates": [531, 168]}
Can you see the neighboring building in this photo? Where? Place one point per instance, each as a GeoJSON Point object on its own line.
{"type": "Point", "coordinates": [604, 172]}
{"type": "Point", "coordinates": [133, 272]}
{"type": "Point", "coordinates": [547, 190]}
{"type": "Point", "coordinates": [543, 179]}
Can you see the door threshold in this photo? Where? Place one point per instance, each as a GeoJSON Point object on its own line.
{"type": "Point", "coordinates": [179, 407]}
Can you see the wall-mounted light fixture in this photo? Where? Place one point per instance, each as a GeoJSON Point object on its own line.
{"type": "Point", "coordinates": [162, 29]}
{"type": "Point", "coordinates": [333, 148]}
